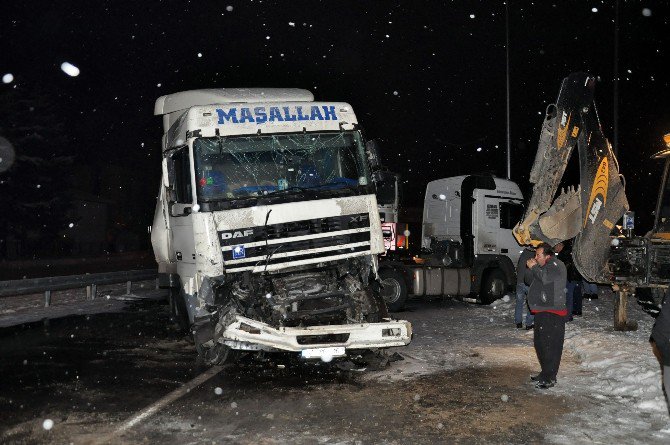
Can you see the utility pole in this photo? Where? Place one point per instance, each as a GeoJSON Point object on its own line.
{"type": "Point", "coordinates": [615, 108]}
{"type": "Point", "coordinates": [509, 139]}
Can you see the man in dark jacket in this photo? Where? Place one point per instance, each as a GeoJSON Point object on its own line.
{"type": "Point", "coordinates": [660, 333]}
{"type": "Point", "coordinates": [546, 298]}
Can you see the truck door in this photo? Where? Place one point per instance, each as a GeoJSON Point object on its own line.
{"type": "Point", "coordinates": [486, 223]}
{"type": "Point", "coordinates": [181, 220]}
{"type": "Point", "coordinates": [511, 212]}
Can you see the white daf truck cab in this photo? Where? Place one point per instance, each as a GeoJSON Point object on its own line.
{"type": "Point", "coordinates": [266, 229]}
{"type": "Point", "coordinates": [467, 246]}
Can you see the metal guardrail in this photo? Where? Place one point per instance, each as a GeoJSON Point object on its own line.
{"type": "Point", "coordinates": [89, 281]}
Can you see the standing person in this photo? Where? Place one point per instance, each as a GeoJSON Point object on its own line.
{"type": "Point", "coordinates": [523, 279]}
{"type": "Point", "coordinates": [546, 298]}
{"type": "Point", "coordinates": [660, 334]}
{"type": "Point", "coordinates": [573, 300]}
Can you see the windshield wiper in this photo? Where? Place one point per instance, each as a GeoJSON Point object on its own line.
{"type": "Point", "coordinates": [290, 190]}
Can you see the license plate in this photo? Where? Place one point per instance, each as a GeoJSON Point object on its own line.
{"type": "Point", "coordinates": [337, 351]}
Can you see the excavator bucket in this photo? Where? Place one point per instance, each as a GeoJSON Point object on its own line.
{"type": "Point", "coordinates": [587, 213]}
{"type": "Point", "coordinates": [558, 137]}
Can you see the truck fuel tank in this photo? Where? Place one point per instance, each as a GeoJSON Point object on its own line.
{"type": "Point", "coordinates": [440, 281]}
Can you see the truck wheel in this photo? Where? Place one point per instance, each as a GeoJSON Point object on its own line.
{"type": "Point", "coordinates": [493, 286]}
{"type": "Point", "coordinates": [393, 289]}
{"type": "Point", "coordinates": [218, 355]}
{"type": "Point", "coordinates": [178, 311]}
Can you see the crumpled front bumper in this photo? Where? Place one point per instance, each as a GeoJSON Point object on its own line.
{"type": "Point", "coordinates": [247, 334]}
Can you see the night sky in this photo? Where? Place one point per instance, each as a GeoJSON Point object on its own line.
{"type": "Point", "coordinates": [426, 79]}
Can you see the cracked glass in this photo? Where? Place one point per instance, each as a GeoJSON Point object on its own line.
{"type": "Point", "coordinates": [240, 166]}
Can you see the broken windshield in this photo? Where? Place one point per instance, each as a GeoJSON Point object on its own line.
{"type": "Point", "coordinates": [240, 166]}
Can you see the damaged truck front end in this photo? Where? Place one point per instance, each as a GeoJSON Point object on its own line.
{"type": "Point", "coordinates": [320, 313]}
{"type": "Point", "coordinates": [266, 229]}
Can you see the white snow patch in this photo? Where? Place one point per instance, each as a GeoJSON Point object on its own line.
{"type": "Point", "coordinates": [69, 69]}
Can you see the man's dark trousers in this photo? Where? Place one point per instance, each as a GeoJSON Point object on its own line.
{"type": "Point", "coordinates": [548, 339]}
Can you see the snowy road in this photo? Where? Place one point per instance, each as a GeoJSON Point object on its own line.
{"type": "Point", "coordinates": [464, 378]}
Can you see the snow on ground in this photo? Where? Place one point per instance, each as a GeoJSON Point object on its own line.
{"type": "Point", "coordinates": [613, 376]}
{"type": "Point", "coordinates": [617, 374]}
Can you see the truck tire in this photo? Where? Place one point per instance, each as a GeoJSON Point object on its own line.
{"type": "Point", "coordinates": [178, 311]}
{"type": "Point", "coordinates": [493, 287]}
{"type": "Point", "coordinates": [393, 289]}
{"type": "Point", "coordinates": [218, 355]}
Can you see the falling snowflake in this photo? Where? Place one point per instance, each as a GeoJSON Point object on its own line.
{"type": "Point", "coordinates": [594, 9]}
{"type": "Point", "coordinates": [646, 12]}
{"type": "Point", "coordinates": [291, 24]}
{"type": "Point", "coordinates": [8, 78]}
{"type": "Point", "coordinates": [199, 54]}
{"type": "Point", "coordinates": [47, 424]}
{"type": "Point", "coordinates": [69, 69]}
{"type": "Point", "coordinates": [218, 391]}
{"type": "Point", "coordinates": [472, 16]}
{"type": "Point", "coordinates": [395, 93]}
{"type": "Point", "coordinates": [229, 8]}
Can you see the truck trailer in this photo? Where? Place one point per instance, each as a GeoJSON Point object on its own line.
{"type": "Point", "coordinates": [266, 230]}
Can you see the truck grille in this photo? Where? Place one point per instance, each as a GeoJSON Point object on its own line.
{"type": "Point", "coordinates": [296, 240]}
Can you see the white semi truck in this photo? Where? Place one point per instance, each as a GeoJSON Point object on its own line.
{"type": "Point", "coordinates": [467, 246]}
{"type": "Point", "coordinates": [266, 229]}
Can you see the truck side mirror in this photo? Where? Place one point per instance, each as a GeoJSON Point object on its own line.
{"type": "Point", "coordinates": [372, 151]}
{"type": "Point", "coordinates": [385, 182]}
{"type": "Point", "coordinates": [169, 178]}
{"type": "Point", "coordinates": [166, 178]}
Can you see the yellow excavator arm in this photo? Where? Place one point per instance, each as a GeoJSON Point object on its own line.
{"type": "Point", "coordinates": [589, 211]}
